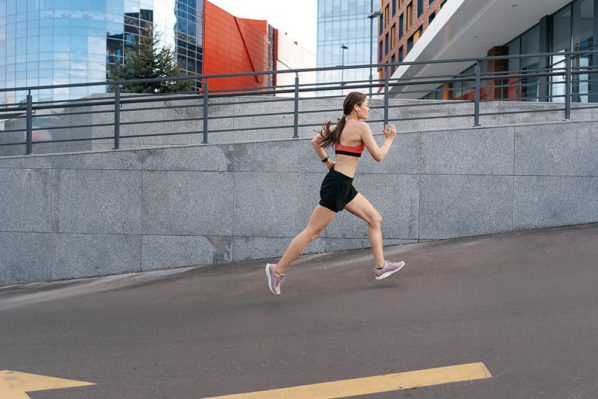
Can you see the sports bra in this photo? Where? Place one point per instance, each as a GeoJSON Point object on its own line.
{"type": "Point", "coordinates": [351, 151]}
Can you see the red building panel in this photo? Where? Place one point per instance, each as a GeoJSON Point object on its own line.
{"type": "Point", "coordinates": [234, 45]}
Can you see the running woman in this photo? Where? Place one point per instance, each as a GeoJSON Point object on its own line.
{"type": "Point", "coordinates": [350, 137]}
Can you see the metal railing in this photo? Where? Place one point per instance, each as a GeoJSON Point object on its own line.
{"type": "Point", "coordinates": [567, 77]}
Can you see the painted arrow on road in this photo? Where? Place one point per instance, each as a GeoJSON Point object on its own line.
{"type": "Point", "coordinates": [373, 385]}
{"type": "Point", "coordinates": [15, 385]}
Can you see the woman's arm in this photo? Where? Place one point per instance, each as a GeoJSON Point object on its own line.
{"type": "Point", "coordinates": [316, 142]}
{"type": "Point", "coordinates": [378, 153]}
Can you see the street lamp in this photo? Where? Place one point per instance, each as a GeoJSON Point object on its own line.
{"type": "Point", "coordinates": [373, 14]}
{"type": "Point", "coordinates": [343, 48]}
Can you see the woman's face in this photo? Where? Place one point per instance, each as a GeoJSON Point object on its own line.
{"type": "Point", "coordinates": [363, 110]}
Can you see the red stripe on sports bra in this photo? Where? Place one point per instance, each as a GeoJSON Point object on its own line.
{"type": "Point", "coordinates": [356, 150]}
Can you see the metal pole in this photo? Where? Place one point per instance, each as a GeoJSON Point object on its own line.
{"type": "Point", "coordinates": [342, 66]}
{"type": "Point", "coordinates": [568, 87]}
{"type": "Point", "coordinates": [117, 118]}
{"type": "Point", "coordinates": [205, 111]}
{"type": "Point", "coordinates": [29, 124]}
{"type": "Point", "coordinates": [386, 94]}
{"type": "Point", "coordinates": [476, 112]}
{"type": "Point", "coordinates": [296, 114]}
{"type": "Point", "coordinates": [371, 37]}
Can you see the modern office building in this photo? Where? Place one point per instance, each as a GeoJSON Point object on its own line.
{"type": "Point", "coordinates": [478, 28]}
{"type": "Point", "coordinates": [344, 38]}
{"type": "Point", "coordinates": [401, 24]}
{"type": "Point", "coordinates": [235, 45]}
{"type": "Point", "coordinates": [51, 42]}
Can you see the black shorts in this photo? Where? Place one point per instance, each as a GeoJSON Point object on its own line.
{"type": "Point", "coordinates": [336, 191]}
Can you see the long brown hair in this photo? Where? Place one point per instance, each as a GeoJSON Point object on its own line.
{"type": "Point", "coordinates": [332, 136]}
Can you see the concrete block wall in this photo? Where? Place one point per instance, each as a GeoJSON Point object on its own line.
{"type": "Point", "coordinates": [90, 214]}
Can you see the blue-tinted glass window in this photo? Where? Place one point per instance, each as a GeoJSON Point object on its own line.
{"type": "Point", "coordinates": [561, 30]}
{"type": "Point", "coordinates": [32, 45]}
{"type": "Point", "coordinates": [62, 4]}
{"type": "Point", "coordinates": [97, 5]}
{"type": "Point", "coordinates": [21, 6]}
{"type": "Point", "coordinates": [80, 4]}
{"type": "Point", "coordinates": [583, 24]}
{"type": "Point", "coordinates": [115, 7]}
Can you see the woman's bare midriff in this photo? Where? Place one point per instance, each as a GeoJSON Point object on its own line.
{"type": "Point", "coordinates": [346, 164]}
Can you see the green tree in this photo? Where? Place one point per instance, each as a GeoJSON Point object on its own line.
{"type": "Point", "coordinates": [146, 60]}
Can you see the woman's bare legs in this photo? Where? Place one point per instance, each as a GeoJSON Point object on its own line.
{"type": "Point", "coordinates": [361, 207]}
{"type": "Point", "coordinates": [319, 219]}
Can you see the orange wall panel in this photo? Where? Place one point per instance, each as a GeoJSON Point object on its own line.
{"type": "Point", "coordinates": [234, 45]}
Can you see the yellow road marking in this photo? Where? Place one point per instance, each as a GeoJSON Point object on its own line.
{"type": "Point", "coordinates": [371, 385]}
{"type": "Point", "coordinates": [14, 385]}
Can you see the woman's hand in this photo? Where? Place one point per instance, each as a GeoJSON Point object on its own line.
{"type": "Point", "coordinates": [330, 164]}
{"type": "Point", "coordinates": [390, 134]}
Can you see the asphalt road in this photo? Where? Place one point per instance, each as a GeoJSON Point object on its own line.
{"type": "Point", "coordinates": [524, 304]}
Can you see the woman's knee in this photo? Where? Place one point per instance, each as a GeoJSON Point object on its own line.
{"type": "Point", "coordinates": [312, 234]}
{"type": "Point", "coordinates": [376, 220]}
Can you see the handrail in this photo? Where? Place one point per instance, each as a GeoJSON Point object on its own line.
{"type": "Point", "coordinates": [116, 110]}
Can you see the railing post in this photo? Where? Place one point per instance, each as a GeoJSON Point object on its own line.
{"type": "Point", "coordinates": [205, 111]}
{"type": "Point", "coordinates": [568, 87]}
{"type": "Point", "coordinates": [29, 124]}
{"type": "Point", "coordinates": [477, 88]}
{"type": "Point", "coordinates": [385, 95]}
{"type": "Point", "coordinates": [117, 117]}
{"type": "Point", "coordinates": [296, 114]}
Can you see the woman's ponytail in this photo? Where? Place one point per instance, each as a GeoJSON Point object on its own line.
{"type": "Point", "coordinates": [331, 136]}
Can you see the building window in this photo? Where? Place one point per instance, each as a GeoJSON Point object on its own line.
{"type": "Point", "coordinates": [380, 53]}
{"type": "Point", "coordinates": [530, 44]}
{"type": "Point", "coordinates": [561, 42]}
{"type": "Point", "coordinates": [394, 7]}
{"type": "Point", "coordinates": [386, 44]}
{"type": "Point", "coordinates": [431, 18]}
{"type": "Point", "coordinates": [409, 16]}
{"type": "Point", "coordinates": [417, 35]}
{"type": "Point", "coordinates": [386, 17]}
{"type": "Point", "coordinates": [430, 2]}
{"type": "Point", "coordinates": [393, 32]}
{"type": "Point", "coordinates": [381, 24]}
{"type": "Point", "coordinates": [393, 60]}
{"type": "Point", "coordinates": [561, 31]}
{"type": "Point", "coordinates": [400, 3]}
{"type": "Point", "coordinates": [401, 54]}
{"type": "Point", "coordinates": [583, 39]}
{"type": "Point", "coordinates": [409, 44]}
{"type": "Point", "coordinates": [420, 8]}
{"type": "Point", "coordinates": [400, 26]}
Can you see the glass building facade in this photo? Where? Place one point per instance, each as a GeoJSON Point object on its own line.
{"type": "Point", "coordinates": [344, 38]}
{"type": "Point", "coordinates": [52, 42]}
{"type": "Point", "coordinates": [572, 28]}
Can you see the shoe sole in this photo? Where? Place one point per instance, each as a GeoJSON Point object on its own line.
{"type": "Point", "coordinates": [383, 276]}
{"type": "Point", "coordinates": [269, 276]}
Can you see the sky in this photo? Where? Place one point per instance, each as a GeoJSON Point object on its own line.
{"type": "Point", "coordinates": [295, 17]}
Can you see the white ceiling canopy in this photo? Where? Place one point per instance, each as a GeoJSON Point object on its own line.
{"type": "Point", "coordinates": [468, 29]}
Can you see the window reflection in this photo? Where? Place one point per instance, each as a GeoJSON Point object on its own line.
{"type": "Point", "coordinates": [46, 41]}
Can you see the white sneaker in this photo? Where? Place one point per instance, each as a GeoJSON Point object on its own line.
{"type": "Point", "coordinates": [388, 269]}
